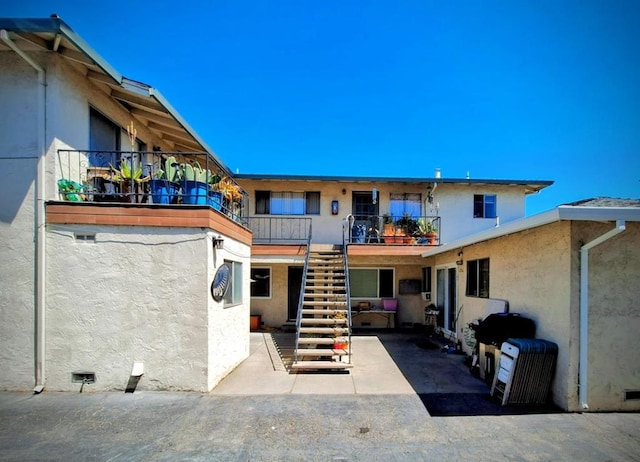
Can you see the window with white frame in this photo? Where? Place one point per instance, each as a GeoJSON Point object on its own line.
{"type": "Point", "coordinates": [287, 203]}
{"type": "Point", "coordinates": [478, 278]}
{"type": "Point", "coordinates": [261, 282]}
{"type": "Point", "coordinates": [371, 282]}
{"type": "Point", "coordinates": [234, 292]}
{"type": "Point", "coordinates": [401, 204]}
{"type": "Point", "coordinates": [484, 206]}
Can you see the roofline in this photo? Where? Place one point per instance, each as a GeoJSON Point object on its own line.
{"type": "Point", "coordinates": [58, 26]}
{"type": "Point", "coordinates": [563, 212]}
{"type": "Point", "coordinates": [255, 176]}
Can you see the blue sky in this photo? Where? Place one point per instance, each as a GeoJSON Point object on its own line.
{"type": "Point", "coordinates": [541, 90]}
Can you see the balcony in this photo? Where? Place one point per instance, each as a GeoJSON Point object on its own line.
{"type": "Point", "coordinates": [171, 179]}
{"type": "Point", "coordinates": [392, 230]}
{"type": "Point", "coordinates": [367, 230]}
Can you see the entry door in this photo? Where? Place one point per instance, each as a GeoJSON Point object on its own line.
{"type": "Point", "coordinates": [446, 298]}
{"type": "Point", "coordinates": [294, 285]}
{"type": "Point", "coordinates": [364, 211]}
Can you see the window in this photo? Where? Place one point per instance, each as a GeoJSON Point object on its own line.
{"type": "Point", "coordinates": [478, 278]}
{"type": "Point", "coordinates": [261, 282]}
{"type": "Point", "coordinates": [426, 280]}
{"type": "Point", "coordinates": [401, 204]}
{"type": "Point", "coordinates": [104, 135]}
{"type": "Point", "coordinates": [234, 292]}
{"type": "Point", "coordinates": [484, 206]}
{"type": "Point", "coordinates": [287, 203]}
{"type": "Point", "coordinates": [371, 282]}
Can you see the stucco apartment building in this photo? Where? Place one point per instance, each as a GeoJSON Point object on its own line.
{"type": "Point", "coordinates": [104, 275]}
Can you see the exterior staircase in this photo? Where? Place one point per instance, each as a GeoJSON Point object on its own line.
{"type": "Point", "coordinates": [323, 328]}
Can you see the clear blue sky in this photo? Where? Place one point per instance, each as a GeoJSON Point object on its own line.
{"type": "Point", "coordinates": [543, 90]}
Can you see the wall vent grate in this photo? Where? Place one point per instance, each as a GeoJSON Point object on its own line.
{"type": "Point", "coordinates": [631, 395]}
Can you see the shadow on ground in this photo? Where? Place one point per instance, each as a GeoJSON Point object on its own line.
{"type": "Point", "coordinates": [443, 381]}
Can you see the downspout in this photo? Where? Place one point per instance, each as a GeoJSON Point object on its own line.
{"type": "Point", "coordinates": [39, 209]}
{"type": "Point", "coordinates": [584, 306]}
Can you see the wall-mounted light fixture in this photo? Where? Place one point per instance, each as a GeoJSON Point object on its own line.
{"type": "Point", "coordinates": [374, 196]}
{"type": "Point", "coordinates": [460, 261]}
{"type": "Point", "coordinates": [344, 192]}
{"type": "Point", "coordinates": [218, 242]}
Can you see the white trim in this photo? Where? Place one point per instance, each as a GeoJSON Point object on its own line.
{"type": "Point", "coordinates": [563, 212]}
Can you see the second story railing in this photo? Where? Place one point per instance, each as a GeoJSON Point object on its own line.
{"type": "Point", "coordinates": [156, 177]}
{"type": "Point", "coordinates": [279, 230]}
{"type": "Point", "coordinates": [386, 229]}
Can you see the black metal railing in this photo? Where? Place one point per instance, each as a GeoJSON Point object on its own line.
{"type": "Point", "coordinates": [279, 230]}
{"type": "Point", "coordinates": [388, 229]}
{"type": "Point", "coordinates": [150, 177]}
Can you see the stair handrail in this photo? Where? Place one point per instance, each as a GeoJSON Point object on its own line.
{"type": "Point", "coordinates": [303, 284]}
{"type": "Point", "coordinates": [348, 295]}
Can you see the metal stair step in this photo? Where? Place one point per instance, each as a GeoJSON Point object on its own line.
{"type": "Point", "coordinates": [318, 295]}
{"type": "Point", "coordinates": [321, 365]}
{"type": "Point", "coordinates": [327, 312]}
{"type": "Point", "coordinates": [320, 352]}
{"type": "Point", "coordinates": [323, 321]}
{"type": "Point", "coordinates": [316, 341]}
{"type": "Point", "coordinates": [324, 303]}
{"type": "Point", "coordinates": [324, 330]}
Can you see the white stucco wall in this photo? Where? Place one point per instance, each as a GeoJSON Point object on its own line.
{"type": "Point", "coordinates": [18, 159]}
{"type": "Point", "coordinates": [139, 294]}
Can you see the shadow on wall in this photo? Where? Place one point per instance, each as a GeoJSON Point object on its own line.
{"type": "Point", "coordinates": [14, 192]}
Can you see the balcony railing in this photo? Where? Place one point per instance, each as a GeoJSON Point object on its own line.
{"type": "Point", "coordinates": [404, 230]}
{"type": "Point", "coordinates": [141, 177]}
{"type": "Point", "coordinates": [279, 230]}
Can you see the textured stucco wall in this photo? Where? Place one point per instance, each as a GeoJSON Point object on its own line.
{"type": "Point", "coordinates": [455, 200]}
{"type": "Point", "coordinates": [18, 159]}
{"type": "Point", "coordinates": [228, 326]}
{"type": "Point", "coordinates": [538, 272]}
{"type": "Point", "coordinates": [532, 270]}
{"type": "Point", "coordinates": [140, 294]}
{"type": "Point", "coordinates": [614, 315]}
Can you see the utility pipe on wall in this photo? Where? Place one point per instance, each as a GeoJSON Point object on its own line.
{"type": "Point", "coordinates": [39, 208]}
{"type": "Point", "coordinates": [584, 306]}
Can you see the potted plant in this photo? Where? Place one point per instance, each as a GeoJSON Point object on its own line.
{"type": "Point", "coordinates": [405, 227]}
{"type": "Point", "coordinates": [388, 229]}
{"type": "Point", "coordinates": [195, 189]}
{"type": "Point", "coordinates": [340, 342]}
{"type": "Point", "coordinates": [164, 185]}
{"type": "Point", "coordinates": [230, 193]}
{"type": "Point", "coordinates": [129, 175]}
{"type": "Point", "coordinates": [427, 230]}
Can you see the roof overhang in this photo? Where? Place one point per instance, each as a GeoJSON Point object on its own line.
{"type": "Point", "coordinates": [144, 102]}
{"type": "Point", "coordinates": [530, 186]}
{"type": "Point", "coordinates": [601, 214]}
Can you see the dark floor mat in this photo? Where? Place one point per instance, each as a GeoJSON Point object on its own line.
{"type": "Point", "coordinates": [470, 404]}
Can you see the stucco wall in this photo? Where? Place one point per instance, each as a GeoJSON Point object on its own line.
{"type": "Point", "coordinates": [538, 272]}
{"type": "Point", "coordinates": [531, 270]}
{"type": "Point", "coordinates": [140, 294]}
{"type": "Point", "coordinates": [18, 159]}
{"type": "Point", "coordinates": [614, 315]}
{"type": "Point", "coordinates": [455, 204]}
{"type": "Point", "coordinates": [228, 326]}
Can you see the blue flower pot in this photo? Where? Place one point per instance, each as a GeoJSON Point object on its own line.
{"type": "Point", "coordinates": [194, 192]}
{"type": "Point", "coordinates": [215, 200]}
{"type": "Point", "coordinates": [163, 191]}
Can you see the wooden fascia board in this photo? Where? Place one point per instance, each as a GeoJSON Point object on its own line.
{"type": "Point", "coordinates": [152, 216]}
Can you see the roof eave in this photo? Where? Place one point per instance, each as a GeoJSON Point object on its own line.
{"type": "Point", "coordinates": [557, 214]}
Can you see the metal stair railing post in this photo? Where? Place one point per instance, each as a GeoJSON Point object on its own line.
{"type": "Point", "coordinates": [302, 291]}
{"type": "Point", "coordinates": [348, 294]}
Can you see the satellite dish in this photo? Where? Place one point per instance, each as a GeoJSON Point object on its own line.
{"type": "Point", "coordinates": [220, 283]}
